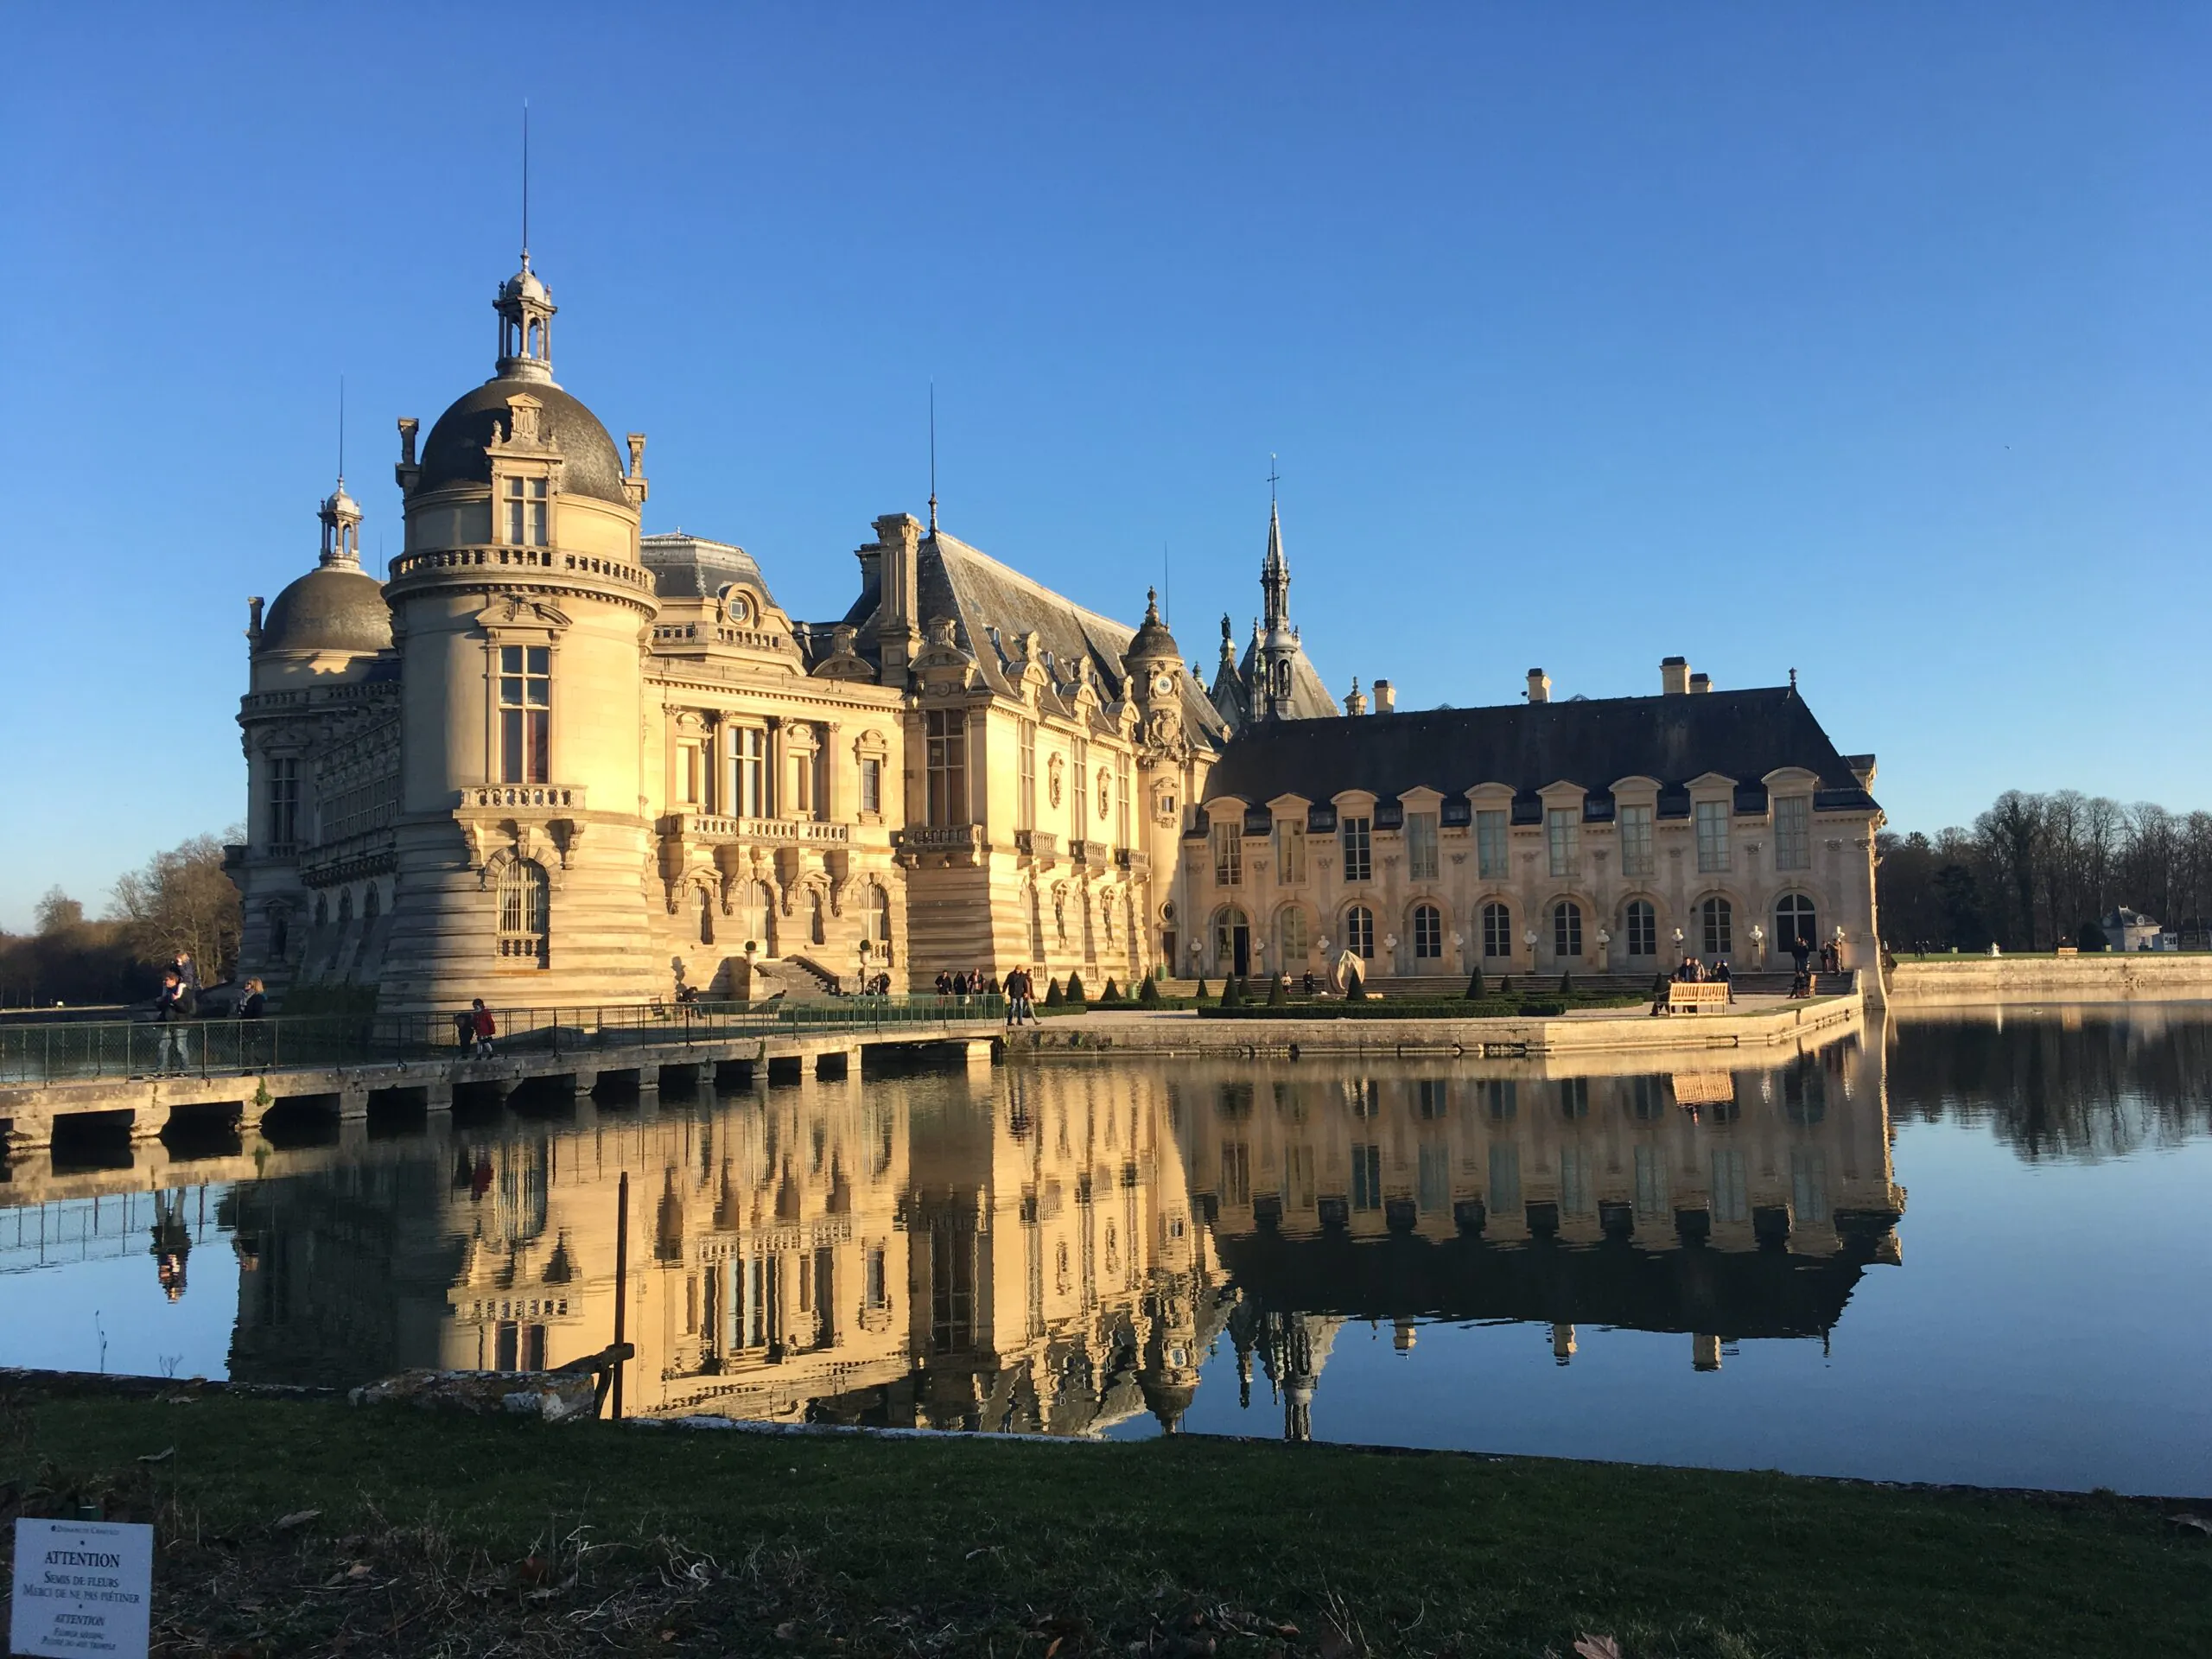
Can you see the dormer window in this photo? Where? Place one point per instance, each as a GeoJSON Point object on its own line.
{"type": "Point", "coordinates": [527, 505]}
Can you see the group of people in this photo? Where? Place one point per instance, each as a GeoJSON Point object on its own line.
{"type": "Point", "coordinates": [967, 982]}
{"type": "Point", "coordinates": [1694, 970]}
{"type": "Point", "coordinates": [1801, 956]}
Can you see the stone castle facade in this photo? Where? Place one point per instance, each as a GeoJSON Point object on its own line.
{"type": "Point", "coordinates": [552, 759]}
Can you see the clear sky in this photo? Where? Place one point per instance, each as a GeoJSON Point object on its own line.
{"type": "Point", "coordinates": [1868, 340]}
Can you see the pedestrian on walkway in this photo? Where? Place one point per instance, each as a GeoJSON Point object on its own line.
{"type": "Point", "coordinates": [482, 1025]}
{"type": "Point", "coordinates": [176, 1004]}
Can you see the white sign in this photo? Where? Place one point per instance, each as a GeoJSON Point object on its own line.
{"type": "Point", "coordinates": [81, 1586]}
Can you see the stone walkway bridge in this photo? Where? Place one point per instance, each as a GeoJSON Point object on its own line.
{"type": "Point", "coordinates": [141, 1077]}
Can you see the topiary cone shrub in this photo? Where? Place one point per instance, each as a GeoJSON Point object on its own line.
{"type": "Point", "coordinates": [1566, 984]}
{"type": "Point", "coordinates": [1232, 993]}
{"type": "Point", "coordinates": [1475, 991]}
{"type": "Point", "coordinates": [1148, 993]}
{"type": "Point", "coordinates": [1277, 995]}
{"type": "Point", "coordinates": [1052, 997]}
{"type": "Point", "coordinates": [1111, 993]}
{"type": "Point", "coordinates": [1198, 996]}
{"type": "Point", "coordinates": [1075, 990]}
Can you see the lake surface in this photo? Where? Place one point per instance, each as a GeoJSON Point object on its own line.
{"type": "Point", "coordinates": [1955, 1247]}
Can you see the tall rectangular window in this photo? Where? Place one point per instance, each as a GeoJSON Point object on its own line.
{"type": "Point", "coordinates": [1121, 800]}
{"type": "Point", "coordinates": [1563, 838]}
{"type": "Point", "coordinates": [1367, 1177]}
{"type": "Point", "coordinates": [1730, 1202]}
{"type": "Point", "coordinates": [1229, 855]}
{"type": "Point", "coordinates": [687, 774]}
{"type": "Point", "coordinates": [1490, 843]}
{"type": "Point", "coordinates": [1359, 850]}
{"type": "Point", "coordinates": [525, 712]}
{"type": "Point", "coordinates": [1635, 840]}
{"type": "Point", "coordinates": [1024, 792]}
{"type": "Point", "coordinates": [952, 1289]}
{"type": "Point", "coordinates": [1793, 833]}
{"type": "Point", "coordinates": [1290, 850]}
{"type": "Point", "coordinates": [1079, 796]}
{"type": "Point", "coordinates": [803, 782]}
{"type": "Point", "coordinates": [748, 748]}
{"type": "Point", "coordinates": [1504, 1179]}
{"type": "Point", "coordinates": [1712, 836]}
{"type": "Point", "coordinates": [1235, 1173]}
{"type": "Point", "coordinates": [1421, 846]}
{"type": "Point", "coordinates": [1652, 1185]}
{"type": "Point", "coordinates": [948, 766]}
{"type": "Point", "coordinates": [872, 785]}
{"type": "Point", "coordinates": [284, 803]}
{"type": "Point", "coordinates": [1573, 1181]}
{"type": "Point", "coordinates": [875, 1283]}
{"type": "Point", "coordinates": [527, 499]}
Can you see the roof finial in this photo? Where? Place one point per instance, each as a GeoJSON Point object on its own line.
{"type": "Point", "coordinates": [341, 439]}
{"type": "Point", "coordinates": [525, 184]}
{"type": "Point", "coordinates": [1272, 478]}
{"type": "Point", "coordinates": [1793, 682]}
{"type": "Point", "coordinates": [932, 456]}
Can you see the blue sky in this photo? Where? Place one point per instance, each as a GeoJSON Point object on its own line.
{"type": "Point", "coordinates": [1871, 341]}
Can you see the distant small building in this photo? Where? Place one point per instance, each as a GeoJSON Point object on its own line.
{"type": "Point", "coordinates": [2130, 930]}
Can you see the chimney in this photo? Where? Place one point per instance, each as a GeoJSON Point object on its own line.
{"type": "Point", "coordinates": [1700, 683]}
{"type": "Point", "coordinates": [897, 556]}
{"type": "Point", "coordinates": [1540, 686]}
{"type": "Point", "coordinates": [1386, 698]}
{"type": "Point", "coordinates": [1356, 702]}
{"type": "Point", "coordinates": [1674, 676]}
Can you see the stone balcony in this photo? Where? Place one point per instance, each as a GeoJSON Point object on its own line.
{"type": "Point", "coordinates": [1040, 845]}
{"type": "Point", "coordinates": [1090, 854]}
{"type": "Point", "coordinates": [1136, 865]}
{"type": "Point", "coordinates": [712, 829]}
{"type": "Point", "coordinates": [521, 797]}
{"type": "Point", "coordinates": [939, 843]}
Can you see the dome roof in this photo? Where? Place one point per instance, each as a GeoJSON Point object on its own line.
{"type": "Point", "coordinates": [454, 453]}
{"type": "Point", "coordinates": [1152, 640]}
{"type": "Point", "coordinates": [330, 608]}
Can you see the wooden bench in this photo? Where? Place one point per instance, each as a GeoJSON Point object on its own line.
{"type": "Point", "coordinates": [1683, 997]}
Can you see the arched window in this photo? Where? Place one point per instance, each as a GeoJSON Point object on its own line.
{"type": "Point", "coordinates": [1566, 928]}
{"type": "Point", "coordinates": [525, 904]}
{"type": "Point", "coordinates": [1293, 937]}
{"type": "Point", "coordinates": [1794, 919]}
{"type": "Point", "coordinates": [879, 922]}
{"type": "Point", "coordinates": [758, 913]}
{"type": "Point", "coordinates": [706, 916]}
{"type": "Point", "coordinates": [372, 903]}
{"type": "Point", "coordinates": [1428, 933]}
{"type": "Point", "coordinates": [1359, 931]}
{"type": "Point", "coordinates": [1717, 920]}
{"type": "Point", "coordinates": [1640, 928]}
{"type": "Point", "coordinates": [1497, 931]}
{"type": "Point", "coordinates": [1232, 940]}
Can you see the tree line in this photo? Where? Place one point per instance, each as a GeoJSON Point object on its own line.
{"type": "Point", "coordinates": [181, 899]}
{"type": "Point", "coordinates": [2037, 871]}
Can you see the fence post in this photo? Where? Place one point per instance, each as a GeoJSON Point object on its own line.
{"type": "Point", "coordinates": [621, 1279]}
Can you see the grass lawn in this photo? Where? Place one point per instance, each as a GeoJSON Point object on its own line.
{"type": "Point", "coordinates": [434, 1536]}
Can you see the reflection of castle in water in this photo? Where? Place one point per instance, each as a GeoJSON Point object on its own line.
{"type": "Point", "coordinates": [1061, 1256]}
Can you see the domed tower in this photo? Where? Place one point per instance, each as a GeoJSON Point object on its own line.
{"type": "Point", "coordinates": [521, 610]}
{"type": "Point", "coordinates": [1171, 755]}
{"type": "Point", "coordinates": [320, 683]}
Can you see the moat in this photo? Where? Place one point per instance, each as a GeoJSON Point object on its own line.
{"type": "Point", "coordinates": [1954, 1247]}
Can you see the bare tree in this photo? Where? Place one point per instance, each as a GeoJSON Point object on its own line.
{"type": "Point", "coordinates": [183, 900]}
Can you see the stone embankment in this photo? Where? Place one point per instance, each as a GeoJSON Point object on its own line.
{"type": "Point", "coordinates": [1752, 1024]}
{"type": "Point", "coordinates": [2104, 977]}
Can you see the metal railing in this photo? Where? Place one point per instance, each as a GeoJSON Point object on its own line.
{"type": "Point", "coordinates": [58, 1052]}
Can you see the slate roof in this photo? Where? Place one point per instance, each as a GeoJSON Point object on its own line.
{"type": "Point", "coordinates": [1593, 742]}
{"type": "Point", "coordinates": [691, 567]}
{"type": "Point", "coordinates": [991, 604]}
{"type": "Point", "coordinates": [455, 451]}
{"type": "Point", "coordinates": [1309, 698]}
{"type": "Point", "coordinates": [330, 608]}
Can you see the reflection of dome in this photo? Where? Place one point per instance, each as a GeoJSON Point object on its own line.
{"type": "Point", "coordinates": [1167, 1400]}
{"type": "Point", "coordinates": [455, 451]}
{"type": "Point", "coordinates": [330, 608]}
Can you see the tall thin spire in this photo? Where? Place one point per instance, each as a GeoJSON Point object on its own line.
{"type": "Point", "coordinates": [932, 455]}
{"type": "Point", "coordinates": [341, 432]}
{"type": "Point", "coordinates": [525, 184]}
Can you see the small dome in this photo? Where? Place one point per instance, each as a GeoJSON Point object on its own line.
{"type": "Point", "coordinates": [330, 608]}
{"type": "Point", "coordinates": [454, 453]}
{"type": "Point", "coordinates": [524, 285]}
{"type": "Point", "coordinates": [340, 504]}
{"type": "Point", "coordinates": [1152, 640]}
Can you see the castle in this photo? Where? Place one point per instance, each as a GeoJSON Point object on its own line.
{"type": "Point", "coordinates": [553, 760]}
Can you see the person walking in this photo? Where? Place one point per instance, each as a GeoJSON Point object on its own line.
{"type": "Point", "coordinates": [481, 1024]}
{"type": "Point", "coordinates": [255, 1003]}
{"type": "Point", "coordinates": [176, 1004]}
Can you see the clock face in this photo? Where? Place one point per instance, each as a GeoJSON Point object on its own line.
{"type": "Point", "coordinates": [1162, 683]}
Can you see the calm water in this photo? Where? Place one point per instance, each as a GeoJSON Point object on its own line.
{"type": "Point", "coordinates": [1957, 1248]}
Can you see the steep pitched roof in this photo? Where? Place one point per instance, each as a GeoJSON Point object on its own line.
{"type": "Point", "coordinates": [1309, 698]}
{"type": "Point", "coordinates": [992, 604]}
{"type": "Point", "coordinates": [1743, 736]}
